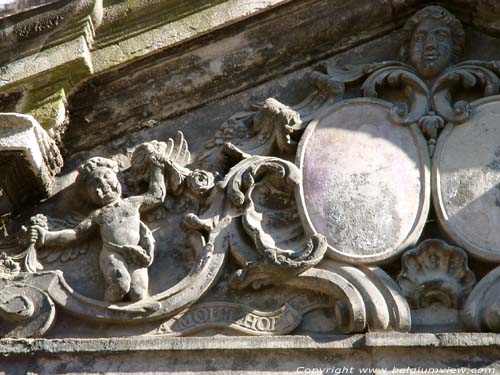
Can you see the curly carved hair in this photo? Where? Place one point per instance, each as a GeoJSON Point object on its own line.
{"type": "Point", "coordinates": [434, 13]}
{"type": "Point", "coordinates": [86, 169]}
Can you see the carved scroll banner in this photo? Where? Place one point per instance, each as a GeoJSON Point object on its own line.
{"type": "Point", "coordinates": [365, 181]}
{"type": "Point", "coordinates": [233, 316]}
{"type": "Point", "coordinates": [466, 177]}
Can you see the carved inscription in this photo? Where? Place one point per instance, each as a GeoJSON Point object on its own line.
{"type": "Point", "coordinates": [233, 316]}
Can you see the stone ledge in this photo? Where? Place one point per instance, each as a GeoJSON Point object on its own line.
{"type": "Point", "coordinates": [231, 343]}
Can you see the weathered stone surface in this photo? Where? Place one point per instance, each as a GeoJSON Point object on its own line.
{"type": "Point", "coordinates": [350, 159]}
{"type": "Point", "coordinates": [465, 181]}
{"type": "Point", "coordinates": [435, 273]}
{"type": "Point", "coordinates": [234, 60]}
{"type": "Point", "coordinates": [29, 160]}
{"type": "Point", "coordinates": [150, 235]}
{"type": "Point", "coordinates": [370, 353]}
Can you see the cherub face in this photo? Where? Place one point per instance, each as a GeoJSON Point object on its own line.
{"type": "Point", "coordinates": [103, 186]}
{"type": "Point", "coordinates": [431, 48]}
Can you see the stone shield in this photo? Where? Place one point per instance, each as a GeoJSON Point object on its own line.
{"type": "Point", "coordinates": [466, 177]}
{"type": "Point", "coordinates": [365, 181]}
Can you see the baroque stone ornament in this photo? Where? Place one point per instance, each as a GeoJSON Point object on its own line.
{"type": "Point", "coordinates": [127, 246]}
{"type": "Point", "coordinates": [289, 211]}
{"type": "Point", "coordinates": [365, 297]}
{"type": "Point", "coordinates": [343, 200]}
{"type": "Point", "coordinates": [234, 317]}
{"type": "Point", "coordinates": [482, 309]}
{"type": "Point", "coordinates": [25, 310]}
{"type": "Point", "coordinates": [436, 273]}
{"type": "Point", "coordinates": [465, 180]}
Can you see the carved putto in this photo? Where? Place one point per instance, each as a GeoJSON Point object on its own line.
{"type": "Point", "coordinates": [289, 211]}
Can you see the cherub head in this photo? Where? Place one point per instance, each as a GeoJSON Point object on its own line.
{"type": "Point", "coordinates": [98, 177]}
{"type": "Point", "coordinates": [435, 39]}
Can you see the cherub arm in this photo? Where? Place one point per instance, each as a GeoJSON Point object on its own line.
{"type": "Point", "coordinates": [82, 231]}
{"type": "Point", "coordinates": [157, 190]}
{"type": "Point", "coordinates": [160, 165]}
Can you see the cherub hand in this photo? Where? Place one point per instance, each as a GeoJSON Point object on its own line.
{"type": "Point", "coordinates": [136, 255]}
{"type": "Point", "coordinates": [37, 235]}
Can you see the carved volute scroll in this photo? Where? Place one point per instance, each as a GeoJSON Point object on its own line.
{"type": "Point", "coordinates": [289, 212]}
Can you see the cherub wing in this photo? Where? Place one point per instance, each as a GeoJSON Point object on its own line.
{"type": "Point", "coordinates": [65, 253]}
{"type": "Point", "coordinates": [177, 150]}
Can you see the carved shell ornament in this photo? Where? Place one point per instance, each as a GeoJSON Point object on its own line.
{"type": "Point", "coordinates": [435, 272]}
{"type": "Point", "coordinates": [311, 197]}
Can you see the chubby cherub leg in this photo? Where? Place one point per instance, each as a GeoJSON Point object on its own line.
{"type": "Point", "coordinates": [116, 274]}
{"type": "Point", "coordinates": [139, 284]}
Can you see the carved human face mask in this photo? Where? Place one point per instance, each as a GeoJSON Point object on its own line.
{"type": "Point", "coordinates": [431, 48]}
{"type": "Point", "coordinates": [103, 187]}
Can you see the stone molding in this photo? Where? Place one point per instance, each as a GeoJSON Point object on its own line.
{"type": "Point", "coordinates": [276, 343]}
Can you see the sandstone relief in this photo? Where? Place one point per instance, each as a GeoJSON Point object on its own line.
{"type": "Point", "coordinates": [292, 211]}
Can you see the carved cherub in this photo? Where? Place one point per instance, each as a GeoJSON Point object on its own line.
{"type": "Point", "coordinates": [127, 243]}
{"type": "Point", "coordinates": [436, 40]}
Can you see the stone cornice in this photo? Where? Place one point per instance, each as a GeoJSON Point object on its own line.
{"type": "Point", "coordinates": [230, 343]}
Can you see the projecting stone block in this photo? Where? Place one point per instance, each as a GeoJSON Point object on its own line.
{"type": "Point", "coordinates": [29, 159]}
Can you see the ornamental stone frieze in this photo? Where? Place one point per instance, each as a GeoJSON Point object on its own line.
{"type": "Point", "coordinates": [353, 195]}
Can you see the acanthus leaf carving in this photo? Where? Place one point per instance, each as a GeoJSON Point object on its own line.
{"type": "Point", "coordinates": [274, 128]}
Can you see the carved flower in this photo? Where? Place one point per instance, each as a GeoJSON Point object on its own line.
{"type": "Point", "coordinates": [8, 266]}
{"type": "Point", "coordinates": [200, 182]}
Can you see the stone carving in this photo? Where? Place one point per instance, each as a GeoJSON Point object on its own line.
{"type": "Point", "coordinates": [364, 297]}
{"type": "Point", "coordinates": [8, 265]}
{"type": "Point", "coordinates": [28, 30]}
{"type": "Point", "coordinates": [247, 219]}
{"type": "Point", "coordinates": [25, 310]}
{"type": "Point", "coordinates": [436, 273]}
{"type": "Point", "coordinates": [259, 246]}
{"type": "Point", "coordinates": [29, 159]}
{"type": "Point", "coordinates": [238, 317]}
{"type": "Point", "coordinates": [273, 128]}
{"type": "Point", "coordinates": [436, 40]}
{"type": "Point", "coordinates": [157, 168]}
{"type": "Point", "coordinates": [233, 316]}
{"type": "Point", "coordinates": [481, 310]}
{"type": "Point", "coordinates": [127, 244]}
{"type": "Point", "coordinates": [465, 181]}
{"type": "Point", "coordinates": [344, 201]}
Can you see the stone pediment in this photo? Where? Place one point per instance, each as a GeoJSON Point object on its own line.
{"type": "Point", "coordinates": [252, 168]}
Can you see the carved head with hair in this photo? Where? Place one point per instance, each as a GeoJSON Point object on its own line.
{"type": "Point", "coordinates": [435, 39]}
{"type": "Point", "coordinates": [98, 178]}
